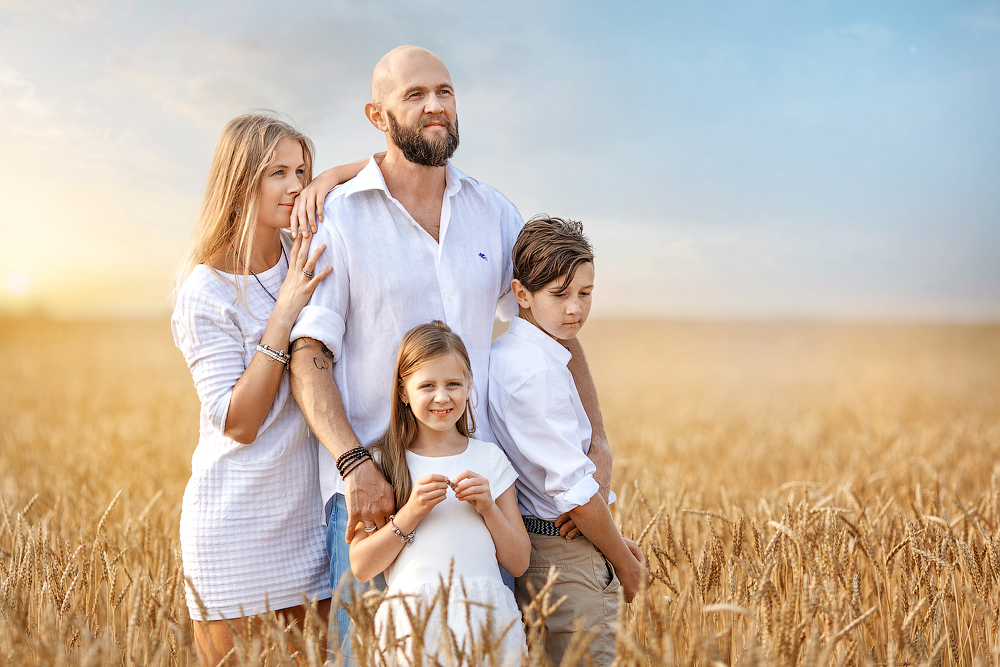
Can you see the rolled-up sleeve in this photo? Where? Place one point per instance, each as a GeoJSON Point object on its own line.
{"type": "Point", "coordinates": [547, 434]}
{"type": "Point", "coordinates": [324, 317]}
{"type": "Point", "coordinates": [206, 332]}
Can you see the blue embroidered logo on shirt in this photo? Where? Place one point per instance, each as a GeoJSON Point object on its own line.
{"type": "Point", "coordinates": [483, 256]}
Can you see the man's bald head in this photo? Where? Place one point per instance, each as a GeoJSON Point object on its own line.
{"type": "Point", "coordinates": [400, 66]}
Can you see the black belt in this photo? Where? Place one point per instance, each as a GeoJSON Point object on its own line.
{"type": "Point", "coordinates": [540, 527]}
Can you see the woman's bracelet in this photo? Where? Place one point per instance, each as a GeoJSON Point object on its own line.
{"type": "Point", "coordinates": [281, 357]}
{"type": "Point", "coordinates": [407, 540]}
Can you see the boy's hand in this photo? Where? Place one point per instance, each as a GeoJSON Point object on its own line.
{"type": "Point", "coordinates": [427, 492]}
{"type": "Point", "coordinates": [632, 576]}
{"type": "Point", "coordinates": [474, 489]}
{"type": "Point", "coordinates": [636, 551]}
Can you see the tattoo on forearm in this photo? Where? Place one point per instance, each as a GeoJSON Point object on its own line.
{"type": "Point", "coordinates": [300, 344]}
{"type": "Point", "coordinates": [321, 364]}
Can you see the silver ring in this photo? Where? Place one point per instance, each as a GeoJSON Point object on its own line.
{"type": "Point", "coordinates": [307, 274]}
{"type": "Point", "coordinates": [371, 530]}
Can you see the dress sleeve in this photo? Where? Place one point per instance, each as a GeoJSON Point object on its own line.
{"type": "Point", "coordinates": [502, 474]}
{"type": "Point", "coordinates": [544, 427]}
{"type": "Point", "coordinates": [324, 317]}
{"type": "Point", "coordinates": [206, 332]}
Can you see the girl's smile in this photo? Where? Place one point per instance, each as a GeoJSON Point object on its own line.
{"type": "Point", "coordinates": [437, 393]}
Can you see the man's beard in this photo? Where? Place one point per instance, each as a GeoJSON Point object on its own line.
{"type": "Point", "coordinates": [419, 150]}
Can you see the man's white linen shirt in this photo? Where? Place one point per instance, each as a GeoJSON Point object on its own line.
{"type": "Point", "coordinates": [390, 275]}
{"type": "Point", "coordinates": [539, 420]}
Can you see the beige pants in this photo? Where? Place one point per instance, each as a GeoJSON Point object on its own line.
{"type": "Point", "coordinates": [590, 585]}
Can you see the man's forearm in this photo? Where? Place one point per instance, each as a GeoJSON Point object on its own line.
{"type": "Point", "coordinates": [600, 452]}
{"type": "Point", "coordinates": [318, 396]}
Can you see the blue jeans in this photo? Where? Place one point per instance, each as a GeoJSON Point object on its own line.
{"type": "Point", "coordinates": [340, 567]}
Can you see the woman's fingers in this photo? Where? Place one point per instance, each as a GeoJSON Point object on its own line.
{"type": "Point", "coordinates": [310, 265]}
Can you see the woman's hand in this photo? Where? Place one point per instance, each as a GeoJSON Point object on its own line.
{"type": "Point", "coordinates": [474, 489]}
{"type": "Point", "coordinates": [309, 204]}
{"type": "Point", "coordinates": [297, 287]}
{"type": "Point", "coordinates": [428, 491]}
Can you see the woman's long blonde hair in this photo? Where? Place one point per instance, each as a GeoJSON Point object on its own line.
{"type": "Point", "coordinates": [421, 345]}
{"type": "Point", "coordinates": [227, 218]}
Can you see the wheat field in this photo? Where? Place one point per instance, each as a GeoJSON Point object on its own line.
{"type": "Point", "coordinates": [805, 494]}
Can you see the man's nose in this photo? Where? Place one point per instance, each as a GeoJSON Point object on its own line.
{"type": "Point", "coordinates": [433, 104]}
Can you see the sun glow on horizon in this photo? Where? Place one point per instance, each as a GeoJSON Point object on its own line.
{"type": "Point", "coordinates": [18, 284]}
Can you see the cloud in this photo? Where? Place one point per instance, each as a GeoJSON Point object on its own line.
{"type": "Point", "coordinates": [22, 94]}
{"type": "Point", "coordinates": [984, 21]}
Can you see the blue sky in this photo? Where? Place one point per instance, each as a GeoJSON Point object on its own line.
{"type": "Point", "coordinates": [728, 159]}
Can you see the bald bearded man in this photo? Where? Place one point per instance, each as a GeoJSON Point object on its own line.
{"type": "Point", "coordinates": [411, 239]}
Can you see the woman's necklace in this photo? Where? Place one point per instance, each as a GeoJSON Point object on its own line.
{"type": "Point", "coordinates": [273, 298]}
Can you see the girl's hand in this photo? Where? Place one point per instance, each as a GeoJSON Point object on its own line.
{"type": "Point", "coordinates": [474, 489]}
{"type": "Point", "coordinates": [297, 287]}
{"type": "Point", "coordinates": [427, 492]}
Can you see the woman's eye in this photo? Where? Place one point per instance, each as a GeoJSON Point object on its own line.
{"type": "Point", "coordinates": [300, 171]}
{"type": "Point", "coordinates": [280, 172]}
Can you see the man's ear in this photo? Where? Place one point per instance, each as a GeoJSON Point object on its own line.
{"type": "Point", "coordinates": [520, 293]}
{"type": "Point", "coordinates": [375, 117]}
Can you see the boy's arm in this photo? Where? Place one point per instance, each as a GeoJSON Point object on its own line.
{"type": "Point", "coordinates": [600, 451]}
{"type": "Point", "coordinates": [594, 520]}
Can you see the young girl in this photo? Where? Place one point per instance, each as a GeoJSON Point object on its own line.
{"type": "Point", "coordinates": [447, 516]}
{"type": "Point", "coordinates": [252, 535]}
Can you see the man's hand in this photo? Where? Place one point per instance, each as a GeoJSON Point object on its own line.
{"type": "Point", "coordinates": [567, 527]}
{"type": "Point", "coordinates": [369, 497]}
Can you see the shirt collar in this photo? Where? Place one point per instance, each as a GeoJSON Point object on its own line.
{"type": "Point", "coordinates": [371, 178]}
{"type": "Point", "coordinates": [525, 330]}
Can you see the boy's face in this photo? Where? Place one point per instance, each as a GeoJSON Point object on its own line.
{"type": "Point", "coordinates": [559, 313]}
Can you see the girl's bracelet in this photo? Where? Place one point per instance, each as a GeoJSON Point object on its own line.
{"type": "Point", "coordinates": [407, 540]}
{"type": "Point", "coordinates": [281, 357]}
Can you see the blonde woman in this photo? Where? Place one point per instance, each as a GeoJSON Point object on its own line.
{"type": "Point", "coordinates": [252, 525]}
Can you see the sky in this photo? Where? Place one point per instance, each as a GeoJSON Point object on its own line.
{"type": "Point", "coordinates": [729, 160]}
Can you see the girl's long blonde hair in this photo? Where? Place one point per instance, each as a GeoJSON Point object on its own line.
{"type": "Point", "coordinates": [227, 218]}
{"type": "Point", "coordinates": [421, 345]}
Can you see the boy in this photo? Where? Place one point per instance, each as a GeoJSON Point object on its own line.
{"type": "Point", "coordinates": [538, 419]}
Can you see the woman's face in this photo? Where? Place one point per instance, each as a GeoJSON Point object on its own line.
{"type": "Point", "coordinates": [281, 184]}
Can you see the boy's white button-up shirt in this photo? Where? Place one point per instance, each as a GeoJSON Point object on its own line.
{"type": "Point", "coordinates": [538, 418]}
{"type": "Point", "coordinates": [390, 275]}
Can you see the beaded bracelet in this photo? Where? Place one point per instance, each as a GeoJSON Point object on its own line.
{"type": "Point", "coordinates": [407, 540]}
{"type": "Point", "coordinates": [350, 468]}
{"type": "Point", "coordinates": [277, 355]}
{"type": "Point", "coordinates": [351, 459]}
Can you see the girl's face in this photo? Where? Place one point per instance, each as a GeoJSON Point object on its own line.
{"type": "Point", "coordinates": [437, 392]}
{"type": "Point", "coordinates": [281, 184]}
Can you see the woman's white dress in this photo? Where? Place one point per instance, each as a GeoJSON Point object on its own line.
{"type": "Point", "coordinates": [252, 533]}
{"type": "Point", "coordinates": [453, 535]}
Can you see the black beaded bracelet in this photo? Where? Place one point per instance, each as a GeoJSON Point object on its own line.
{"type": "Point", "coordinates": [356, 464]}
{"type": "Point", "coordinates": [351, 459]}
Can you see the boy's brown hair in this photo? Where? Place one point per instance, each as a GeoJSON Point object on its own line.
{"type": "Point", "coordinates": [547, 249]}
